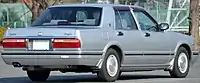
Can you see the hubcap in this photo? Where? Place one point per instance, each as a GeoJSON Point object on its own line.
{"type": "Point", "coordinates": [183, 62]}
{"type": "Point", "coordinates": [112, 65]}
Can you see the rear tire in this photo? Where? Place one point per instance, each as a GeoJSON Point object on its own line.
{"type": "Point", "coordinates": [181, 64]}
{"type": "Point", "coordinates": [110, 69]}
{"type": "Point", "coordinates": [37, 76]}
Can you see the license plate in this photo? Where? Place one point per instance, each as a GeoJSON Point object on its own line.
{"type": "Point", "coordinates": [40, 45]}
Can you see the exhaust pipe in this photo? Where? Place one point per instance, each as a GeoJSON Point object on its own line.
{"type": "Point", "coordinates": [16, 64]}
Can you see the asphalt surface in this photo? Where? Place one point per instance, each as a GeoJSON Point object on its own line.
{"type": "Point", "coordinates": [8, 74]}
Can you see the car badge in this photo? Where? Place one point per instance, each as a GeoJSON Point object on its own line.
{"type": "Point", "coordinates": [68, 34]}
{"type": "Point", "coordinates": [39, 33]}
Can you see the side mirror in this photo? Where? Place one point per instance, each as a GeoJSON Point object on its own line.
{"type": "Point", "coordinates": [163, 26]}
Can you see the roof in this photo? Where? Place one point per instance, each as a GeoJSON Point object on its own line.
{"type": "Point", "coordinates": [92, 5]}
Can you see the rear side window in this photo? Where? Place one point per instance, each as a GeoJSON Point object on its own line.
{"type": "Point", "coordinates": [76, 16]}
{"type": "Point", "coordinates": [124, 20]}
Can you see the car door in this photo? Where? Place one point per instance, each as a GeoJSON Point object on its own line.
{"type": "Point", "coordinates": [155, 44]}
{"type": "Point", "coordinates": [125, 33]}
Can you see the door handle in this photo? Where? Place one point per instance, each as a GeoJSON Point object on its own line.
{"type": "Point", "coordinates": [120, 33]}
{"type": "Point", "coordinates": [147, 34]}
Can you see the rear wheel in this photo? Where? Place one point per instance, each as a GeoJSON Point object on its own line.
{"type": "Point", "coordinates": [181, 64]}
{"type": "Point", "coordinates": [111, 65]}
{"type": "Point", "coordinates": [41, 75]}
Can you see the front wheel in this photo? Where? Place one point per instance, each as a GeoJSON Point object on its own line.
{"type": "Point", "coordinates": [110, 69]}
{"type": "Point", "coordinates": [41, 75]}
{"type": "Point", "coordinates": [181, 64]}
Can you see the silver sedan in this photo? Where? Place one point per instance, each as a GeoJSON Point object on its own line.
{"type": "Point", "coordinates": [100, 38]}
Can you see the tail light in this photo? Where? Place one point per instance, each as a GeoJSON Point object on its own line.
{"type": "Point", "coordinates": [66, 43]}
{"type": "Point", "coordinates": [14, 43]}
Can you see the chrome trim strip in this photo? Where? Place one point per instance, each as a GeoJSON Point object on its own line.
{"type": "Point", "coordinates": [49, 57]}
{"type": "Point", "coordinates": [51, 53]}
{"type": "Point", "coordinates": [140, 53]}
{"type": "Point", "coordinates": [144, 65]}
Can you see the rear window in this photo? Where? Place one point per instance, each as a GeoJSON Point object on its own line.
{"type": "Point", "coordinates": [76, 16]}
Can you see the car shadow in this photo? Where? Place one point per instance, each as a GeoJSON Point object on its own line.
{"type": "Point", "coordinates": [79, 78]}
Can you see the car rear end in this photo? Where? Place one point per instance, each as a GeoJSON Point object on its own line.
{"type": "Point", "coordinates": [41, 50]}
{"type": "Point", "coordinates": [54, 39]}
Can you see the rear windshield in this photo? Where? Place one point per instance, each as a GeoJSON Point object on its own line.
{"type": "Point", "coordinates": [76, 16]}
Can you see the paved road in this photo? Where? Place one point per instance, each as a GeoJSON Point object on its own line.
{"type": "Point", "coordinates": [8, 74]}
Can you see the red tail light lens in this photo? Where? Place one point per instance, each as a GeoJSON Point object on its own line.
{"type": "Point", "coordinates": [66, 43]}
{"type": "Point", "coordinates": [14, 43]}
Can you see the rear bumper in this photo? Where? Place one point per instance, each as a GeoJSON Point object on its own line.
{"type": "Point", "coordinates": [51, 59]}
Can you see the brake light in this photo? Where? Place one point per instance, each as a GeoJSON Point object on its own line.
{"type": "Point", "coordinates": [14, 43]}
{"type": "Point", "coordinates": [66, 43]}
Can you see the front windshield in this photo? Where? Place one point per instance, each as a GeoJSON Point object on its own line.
{"type": "Point", "coordinates": [76, 16]}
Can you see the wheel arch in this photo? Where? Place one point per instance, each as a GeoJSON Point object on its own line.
{"type": "Point", "coordinates": [186, 46]}
{"type": "Point", "coordinates": [173, 68]}
{"type": "Point", "coordinates": [119, 51]}
{"type": "Point", "coordinates": [117, 47]}
{"type": "Point", "coordinates": [180, 44]}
